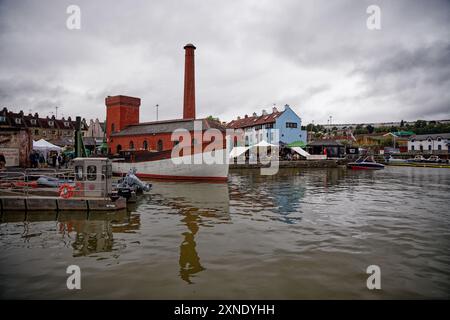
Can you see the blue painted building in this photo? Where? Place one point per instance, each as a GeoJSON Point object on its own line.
{"type": "Point", "coordinates": [279, 126]}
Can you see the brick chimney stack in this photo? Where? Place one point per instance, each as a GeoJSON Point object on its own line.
{"type": "Point", "coordinates": [189, 83]}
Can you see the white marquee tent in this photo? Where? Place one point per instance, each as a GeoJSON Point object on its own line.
{"type": "Point", "coordinates": [45, 147]}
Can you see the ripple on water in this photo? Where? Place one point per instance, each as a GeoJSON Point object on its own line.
{"type": "Point", "coordinates": [301, 234]}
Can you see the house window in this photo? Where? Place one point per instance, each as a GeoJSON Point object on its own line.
{"type": "Point", "coordinates": [291, 125]}
{"type": "Point", "coordinates": [119, 148]}
{"type": "Point", "coordinates": [113, 128]}
{"type": "Point", "coordinates": [421, 148]}
{"type": "Point", "coordinates": [66, 124]}
{"type": "Point", "coordinates": [439, 147]}
{"type": "Point", "coordinates": [51, 123]}
{"type": "Point", "coordinates": [53, 132]}
{"type": "Point", "coordinates": [412, 148]}
{"type": "Point", "coordinates": [160, 145]}
{"type": "Point", "coordinates": [439, 139]}
{"type": "Point", "coordinates": [269, 126]}
{"type": "Point", "coordinates": [429, 147]}
{"type": "Point", "coordinates": [131, 145]}
{"type": "Point", "coordinates": [2, 119]}
{"type": "Point", "coordinates": [18, 121]}
{"type": "Point", "coordinates": [33, 121]}
{"type": "Point", "coordinates": [145, 145]}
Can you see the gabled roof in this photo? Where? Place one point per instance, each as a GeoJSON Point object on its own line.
{"type": "Point", "coordinates": [167, 126]}
{"type": "Point", "coordinates": [433, 136]}
{"type": "Point", "coordinates": [255, 120]}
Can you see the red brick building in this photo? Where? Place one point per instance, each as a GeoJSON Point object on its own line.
{"type": "Point", "coordinates": [124, 132]}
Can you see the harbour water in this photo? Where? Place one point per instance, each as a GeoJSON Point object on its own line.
{"type": "Point", "coordinates": [304, 233]}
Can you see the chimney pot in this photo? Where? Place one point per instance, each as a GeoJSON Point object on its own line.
{"type": "Point", "coordinates": [254, 114]}
{"type": "Point", "coordinates": [274, 109]}
{"type": "Point", "coordinates": [246, 116]}
{"type": "Point", "coordinates": [264, 112]}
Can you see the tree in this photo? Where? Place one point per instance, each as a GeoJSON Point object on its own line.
{"type": "Point", "coordinates": [402, 124]}
{"type": "Point", "coordinates": [420, 124]}
{"type": "Point", "coordinates": [213, 118]}
{"type": "Point", "coordinates": [310, 127]}
{"type": "Point", "coordinates": [370, 128]}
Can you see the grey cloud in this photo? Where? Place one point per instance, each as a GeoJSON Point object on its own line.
{"type": "Point", "coordinates": [317, 56]}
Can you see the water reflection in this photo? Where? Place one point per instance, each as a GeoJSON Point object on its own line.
{"type": "Point", "coordinates": [189, 258]}
{"type": "Point", "coordinates": [86, 233]}
{"type": "Point", "coordinates": [202, 204]}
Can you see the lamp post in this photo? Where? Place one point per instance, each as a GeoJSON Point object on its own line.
{"type": "Point", "coordinates": [157, 106]}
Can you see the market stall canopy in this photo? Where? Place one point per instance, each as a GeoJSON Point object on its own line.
{"type": "Point", "coordinates": [300, 144]}
{"type": "Point", "coordinates": [264, 143]}
{"type": "Point", "coordinates": [237, 151]}
{"type": "Point", "coordinates": [308, 156]}
{"type": "Point", "coordinates": [44, 145]}
{"type": "Point", "coordinates": [300, 151]}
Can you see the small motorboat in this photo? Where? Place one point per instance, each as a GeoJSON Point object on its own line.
{"type": "Point", "coordinates": [367, 163]}
{"type": "Point", "coordinates": [417, 159]}
{"type": "Point", "coordinates": [434, 159]}
{"type": "Point", "coordinates": [391, 159]}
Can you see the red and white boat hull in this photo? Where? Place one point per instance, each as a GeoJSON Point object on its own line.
{"type": "Point", "coordinates": [190, 167]}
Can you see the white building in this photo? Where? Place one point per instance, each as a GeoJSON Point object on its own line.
{"type": "Point", "coordinates": [279, 126]}
{"type": "Point", "coordinates": [430, 142]}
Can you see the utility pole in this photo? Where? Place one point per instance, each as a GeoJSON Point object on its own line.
{"type": "Point", "coordinates": [157, 106]}
{"type": "Point", "coordinates": [56, 113]}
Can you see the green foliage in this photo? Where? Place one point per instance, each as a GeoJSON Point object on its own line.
{"type": "Point", "coordinates": [370, 128]}
{"type": "Point", "coordinates": [315, 128]}
{"type": "Point", "coordinates": [213, 118]}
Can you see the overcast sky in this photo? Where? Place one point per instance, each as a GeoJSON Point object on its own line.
{"type": "Point", "coordinates": [317, 56]}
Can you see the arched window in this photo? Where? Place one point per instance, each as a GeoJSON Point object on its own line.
{"type": "Point", "coordinates": [119, 148]}
{"type": "Point", "coordinates": [113, 127]}
{"type": "Point", "coordinates": [160, 145]}
{"type": "Point", "coordinates": [131, 145]}
{"type": "Point", "coordinates": [145, 145]}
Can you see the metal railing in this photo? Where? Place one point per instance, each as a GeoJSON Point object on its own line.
{"type": "Point", "coordinates": [48, 183]}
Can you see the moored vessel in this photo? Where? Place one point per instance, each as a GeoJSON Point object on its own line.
{"type": "Point", "coordinates": [366, 163]}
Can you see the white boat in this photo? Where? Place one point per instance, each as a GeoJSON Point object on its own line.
{"type": "Point", "coordinates": [161, 165]}
{"type": "Point", "coordinates": [391, 159]}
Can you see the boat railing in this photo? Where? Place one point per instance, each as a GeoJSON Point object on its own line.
{"type": "Point", "coordinates": [41, 184]}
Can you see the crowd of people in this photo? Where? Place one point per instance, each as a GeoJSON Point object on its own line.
{"type": "Point", "coordinates": [54, 159]}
